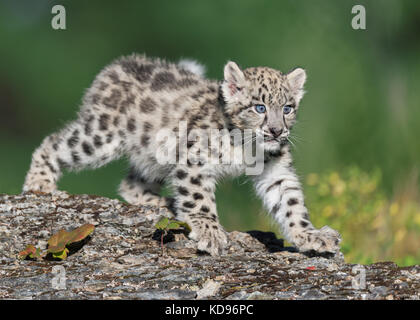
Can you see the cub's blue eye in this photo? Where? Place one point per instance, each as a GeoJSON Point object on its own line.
{"type": "Point", "coordinates": [287, 109]}
{"type": "Point", "coordinates": [260, 108]}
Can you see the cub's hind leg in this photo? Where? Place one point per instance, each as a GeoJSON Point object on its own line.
{"type": "Point", "coordinates": [77, 146]}
{"type": "Point", "coordinates": [136, 190]}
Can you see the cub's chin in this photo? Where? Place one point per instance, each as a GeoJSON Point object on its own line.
{"type": "Point", "coordinates": [272, 145]}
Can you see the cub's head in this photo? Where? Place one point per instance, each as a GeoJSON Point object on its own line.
{"type": "Point", "coordinates": [264, 100]}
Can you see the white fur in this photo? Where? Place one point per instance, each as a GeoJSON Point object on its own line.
{"type": "Point", "coordinates": [193, 66]}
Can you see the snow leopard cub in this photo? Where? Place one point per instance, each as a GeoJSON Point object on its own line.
{"type": "Point", "coordinates": [134, 97]}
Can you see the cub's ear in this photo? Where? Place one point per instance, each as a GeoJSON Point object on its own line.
{"type": "Point", "coordinates": [234, 81]}
{"type": "Point", "coordinates": [297, 78]}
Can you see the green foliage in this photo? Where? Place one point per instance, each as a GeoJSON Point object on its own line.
{"type": "Point", "coordinates": [57, 244]}
{"type": "Point", "coordinates": [166, 224]}
{"type": "Point", "coordinates": [374, 227]}
{"type": "Point", "coordinates": [30, 252]}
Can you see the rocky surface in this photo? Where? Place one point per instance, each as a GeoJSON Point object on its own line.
{"type": "Point", "coordinates": [123, 259]}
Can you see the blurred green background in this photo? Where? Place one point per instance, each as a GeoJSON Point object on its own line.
{"type": "Point", "coordinates": [357, 139]}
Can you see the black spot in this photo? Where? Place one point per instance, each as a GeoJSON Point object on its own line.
{"type": "Point", "coordinates": [88, 129]}
{"type": "Point", "coordinates": [87, 148]}
{"type": "Point", "coordinates": [49, 165]}
{"type": "Point", "coordinates": [113, 100]}
{"type": "Point", "coordinates": [186, 82]}
{"type": "Point", "coordinates": [291, 224]}
{"type": "Point", "coordinates": [277, 183]}
{"type": "Point", "coordinates": [292, 201]}
{"type": "Point", "coordinates": [62, 164]}
{"type": "Point", "coordinates": [94, 98]}
{"type": "Point", "coordinates": [196, 180]}
{"type": "Point", "coordinates": [180, 174]}
{"type": "Point", "coordinates": [114, 77]}
{"type": "Point", "coordinates": [189, 204]}
{"type": "Point", "coordinates": [184, 191]}
{"type": "Point", "coordinates": [197, 196]}
{"type": "Point", "coordinates": [109, 137]}
{"type": "Point", "coordinates": [277, 153]}
{"type": "Point", "coordinates": [103, 122]}
{"type": "Point", "coordinates": [142, 72]}
{"type": "Point", "coordinates": [121, 134]}
{"type": "Point", "coordinates": [162, 80]}
{"type": "Point", "coordinates": [116, 121]}
{"type": "Point", "coordinates": [147, 126]}
{"type": "Point", "coordinates": [126, 103]}
{"type": "Point", "coordinates": [165, 119]}
{"type": "Point", "coordinates": [97, 141]}
{"type": "Point", "coordinates": [103, 85]}
{"type": "Point", "coordinates": [75, 156]}
{"type": "Point", "coordinates": [131, 125]}
{"type": "Point", "coordinates": [304, 224]}
{"type": "Point", "coordinates": [72, 141]}
{"type": "Point", "coordinates": [205, 209]}
{"type": "Point", "coordinates": [147, 105]}
{"type": "Point", "coordinates": [55, 146]}
{"type": "Point", "coordinates": [276, 207]}
{"type": "Point", "coordinates": [288, 214]}
{"type": "Point", "coordinates": [145, 140]}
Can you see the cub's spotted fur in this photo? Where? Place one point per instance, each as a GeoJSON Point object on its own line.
{"type": "Point", "coordinates": [135, 97]}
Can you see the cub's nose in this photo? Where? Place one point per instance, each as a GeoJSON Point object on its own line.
{"type": "Point", "coordinates": [275, 131]}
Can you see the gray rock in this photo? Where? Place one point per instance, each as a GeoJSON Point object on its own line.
{"type": "Point", "coordinates": [123, 260]}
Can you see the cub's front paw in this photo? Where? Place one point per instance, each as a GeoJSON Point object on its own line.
{"type": "Point", "coordinates": [211, 237]}
{"type": "Point", "coordinates": [324, 240]}
{"type": "Point", "coordinates": [39, 185]}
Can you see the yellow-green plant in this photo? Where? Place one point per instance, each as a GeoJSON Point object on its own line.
{"type": "Point", "coordinates": [57, 244]}
{"type": "Point", "coordinates": [374, 226]}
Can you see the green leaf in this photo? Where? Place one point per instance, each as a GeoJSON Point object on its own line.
{"type": "Point", "coordinates": [38, 254]}
{"type": "Point", "coordinates": [173, 225]}
{"type": "Point", "coordinates": [162, 224]}
{"type": "Point", "coordinates": [184, 224]}
{"type": "Point", "coordinates": [61, 255]}
{"type": "Point", "coordinates": [58, 241]}
{"type": "Point", "coordinates": [80, 233]}
{"type": "Point", "coordinates": [30, 250]}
